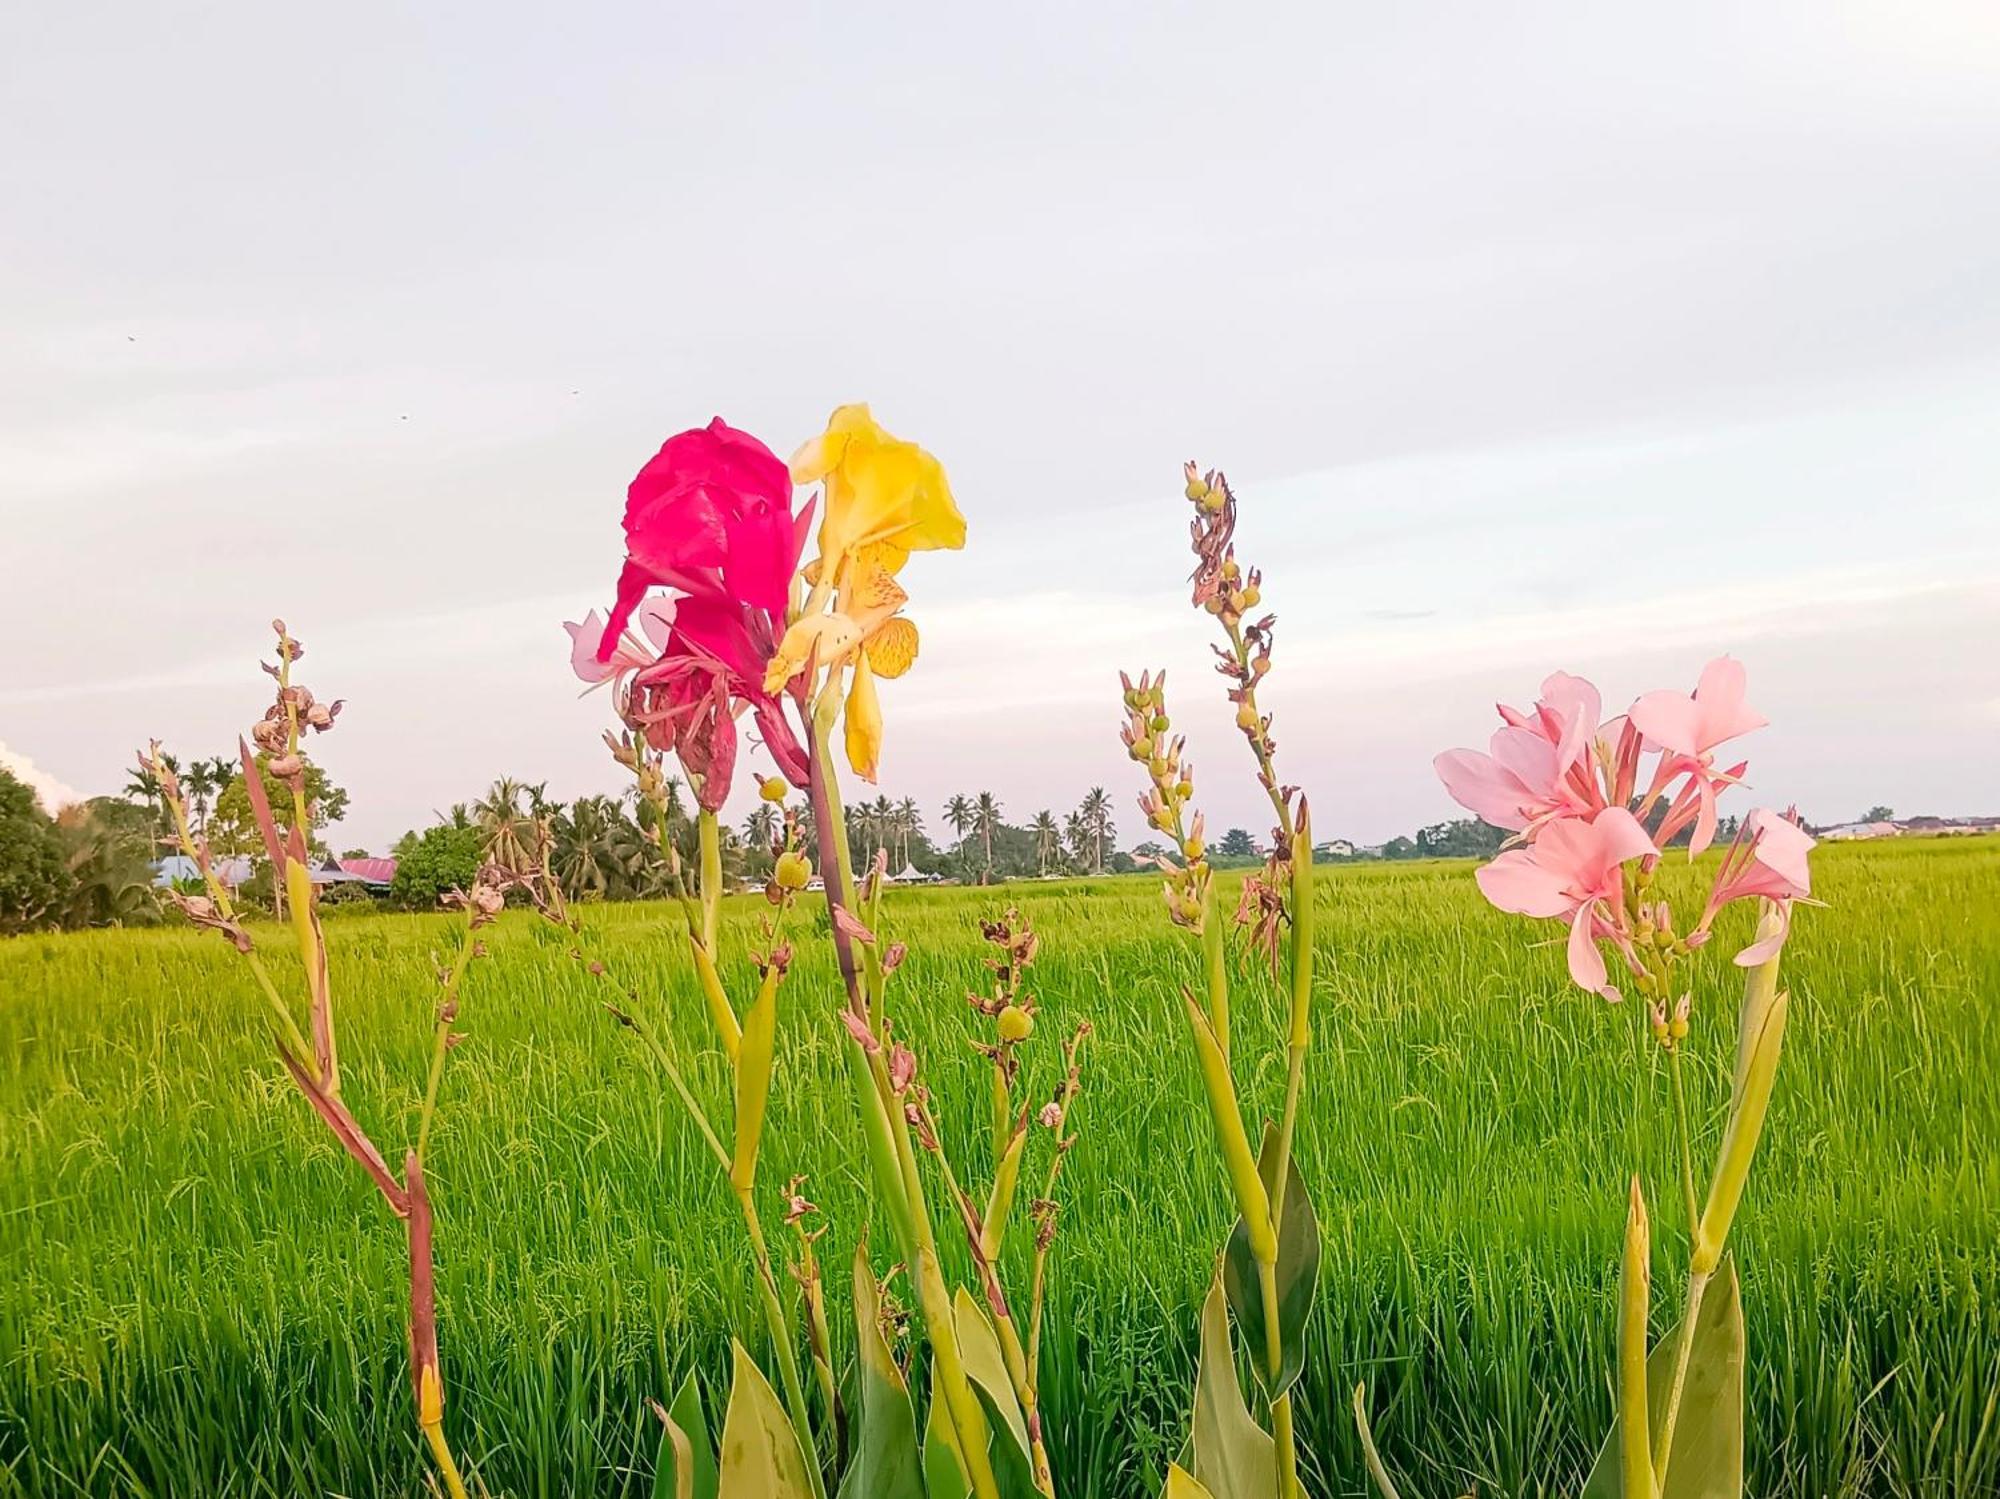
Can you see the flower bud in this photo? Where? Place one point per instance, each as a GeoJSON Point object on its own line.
{"type": "Point", "coordinates": [1196, 490]}
{"type": "Point", "coordinates": [1251, 596]}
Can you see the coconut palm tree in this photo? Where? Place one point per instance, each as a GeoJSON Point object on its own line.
{"type": "Point", "coordinates": [1095, 811]}
{"type": "Point", "coordinates": [909, 824]}
{"type": "Point", "coordinates": [588, 859]}
{"type": "Point", "coordinates": [140, 787]}
{"type": "Point", "coordinates": [959, 814]}
{"type": "Point", "coordinates": [511, 840]}
{"type": "Point", "coordinates": [986, 813]}
{"type": "Point", "coordinates": [1048, 840]}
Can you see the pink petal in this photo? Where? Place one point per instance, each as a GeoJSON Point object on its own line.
{"type": "Point", "coordinates": [1620, 837]}
{"type": "Point", "coordinates": [656, 619]}
{"type": "Point", "coordinates": [1530, 758]}
{"type": "Point", "coordinates": [1767, 948]}
{"type": "Point", "coordinates": [1782, 846]}
{"type": "Point", "coordinates": [1478, 783]}
{"type": "Point", "coordinates": [1577, 705]}
{"type": "Point", "coordinates": [1516, 882]}
{"type": "Point", "coordinates": [1670, 720]}
{"type": "Point", "coordinates": [1586, 962]}
{"type": "Point", "coordinates": [1723, 714]}
{"type": "Point", "coordinates": [1704, 821]}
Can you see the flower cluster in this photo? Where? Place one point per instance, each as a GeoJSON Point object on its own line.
{"type": "Point", "coordinates": [741, 627]}
{"type": "Point", "coordinates": [1591, 819]}
{"type": "Point", "coordinates": [1168, 795]}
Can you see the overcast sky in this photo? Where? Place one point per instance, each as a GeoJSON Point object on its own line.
{"type": "Point", "coordinates": [1532, 336]}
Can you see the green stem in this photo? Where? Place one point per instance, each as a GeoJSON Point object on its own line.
{"type": "Point", "coordinates": [1687, 1142]}
{"type": "Point", "coordinates": [780, 1328]}
{"type": "Point", "coordinates": [711, 878]}
{"type": "Point", "coordinates": [1281, 1406]}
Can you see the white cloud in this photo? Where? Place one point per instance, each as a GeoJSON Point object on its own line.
{"type": "Point", "coordinates": [52, 793]}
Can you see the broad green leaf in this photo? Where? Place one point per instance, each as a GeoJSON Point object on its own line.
{"type": "Point", "coordinates": [1013, 1471]}
{"type": "Point", "coordinates": [886, 1462]}
{"type": "Point", "coordinates": [1297, 1274]}
{"type": "Point", "coordinates": [1707, 1459]}
{"type": "Point", "coordinates": [944, 1468]}
{"type": "Point", "coordinates": [1181, 1486]}
{"type": "Point", "coordinates": [1234, 1457]}
{"type": "Point", "coordinates": [753, 1080]}
{"type": "Point", "coordinates": [986, 1366]}
{"type": "Point", "coordinates": [760, 1452]}
{"type": "Point", "coordinates": [687, 1414]}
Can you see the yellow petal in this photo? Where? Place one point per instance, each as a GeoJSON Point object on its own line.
{"type": "Point", "coordinates": [880, 491]}
{"type": "Point", "coordinates": [864, 721]}
{"type": "Point", "coordinates": [824, 638]}
{"type": "Point", "coordinates": [817, 457]}
{"type": "Point", "coordinates": [892, 649]}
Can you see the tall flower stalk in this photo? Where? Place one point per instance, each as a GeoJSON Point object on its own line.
{"type": "Point", "coordinates": [310, 1055]}
{"type": "Point", "coordinates": [1592, 822]}
{"type": "Point", "coordinates": [1270, 1266]}
{"type": "Point", "coordinates": [744, 631]}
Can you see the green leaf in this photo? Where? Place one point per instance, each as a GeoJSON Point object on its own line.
{"type": "Point", "coordinates": [1012, 1469]}
{"type": "Point", "coordinates": [687, 1415]}
{"type": "Point", "coordinates": [753, 1080]}
{"type": "Point", "coordinates": [1234, 1457]}
{"type": "Point", "coordinates": [1707, 1458]}
{"type": "Point", "coordinates": [760, 1453]}
{"type": "Point", "coordinates": [1181, 1486]}
{"type": "Point", "coordinates": [1297, 1274]}
{"type": "Point", "coordinates": [986, 1366]}
{"type": "Point", "coordinates": [944, 1468]}
{"type": "Point", "coordinates": [886, 1462]}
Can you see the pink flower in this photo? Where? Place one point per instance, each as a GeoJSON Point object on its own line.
{"type": "Point", "coordinates": [1767, 861]}
{"type": "Point", "coordinates": [1573, 871]}
{"type": "Point", "coordinates": [712, 513]}
{"type": "Point", "coordinates": [1688, 729]}
{"type": "Point", "coordinates": [656, 619]}
{"type": "Point", "coordinates": [1538, 766]}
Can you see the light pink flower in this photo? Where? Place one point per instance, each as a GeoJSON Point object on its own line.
{"type": "Point", "coordinates": [1538, 765]}
{"type": "Point", "coordinates": [1687, 729]}
{"type": "Point", "coordinates": [656, 619]}
{"type": "Point", "coordinates": [1768, 861]}
{"type": "Point", "coordinates": [1573, 871]}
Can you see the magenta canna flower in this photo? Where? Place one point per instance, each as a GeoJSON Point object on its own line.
{"type": "Point", "coordinates": [1538, 766]}
{"type": "Point", "coordinates": [1687, 730]}
{"type": "Point", "coordinates": [1767, 861]}
{"type": "Point", "coordinates": [1573, 871]}
{"type": "Point", "coordinates": [711, 513]}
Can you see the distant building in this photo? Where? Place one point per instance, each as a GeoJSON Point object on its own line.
{"type": "Point", "coordinates": [179, 869]}
{"type": "Point", "coordinates": [1334, 848]}
{"type": "Point", "coordinates": [376, 874]}
{"type": "Point", "coordinates": [1911, 827]}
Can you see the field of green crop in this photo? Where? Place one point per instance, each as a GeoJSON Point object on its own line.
{"type": "Point", "coordinates": [202, 1297]}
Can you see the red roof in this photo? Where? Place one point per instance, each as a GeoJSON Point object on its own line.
{"type": "Point", "coordinates": [374, 871]}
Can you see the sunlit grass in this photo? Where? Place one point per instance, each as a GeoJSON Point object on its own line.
{"type": "Point", "coordinates": [201, 1297]}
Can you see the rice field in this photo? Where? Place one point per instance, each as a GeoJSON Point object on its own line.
{"type": "Point", "coordinates": [202, 1297]}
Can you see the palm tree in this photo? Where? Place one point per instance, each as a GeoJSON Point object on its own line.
{"type": "Point", "coordinates": [909, 823]}
{"type": "Point", "coordinates": [986, 822]}
{"type": "Point", "coordinates": [142, 788]}
{"type": "Point", "coordinates": [511, 840]}
{"type": "Point", "coordinates": [1048, 840]}
{"type": "Point", "coordinates": [588, 859]}
{"type": "Point", "coordinates": [1095, 810]}
{"type": "Point", "coordinates": [760, 835]}
{"type": "Point", "coordinates": [959, 814]}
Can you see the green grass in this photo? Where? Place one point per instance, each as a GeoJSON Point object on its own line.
{"type": "Point", "coordinates": [202, 1297]}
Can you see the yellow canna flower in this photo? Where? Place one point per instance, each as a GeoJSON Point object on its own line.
{"type": "Point", "coordinates": [883, 496]}
{"type": "Point", "coordinates": [864, 721]}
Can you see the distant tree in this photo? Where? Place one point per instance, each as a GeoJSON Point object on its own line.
{"type": "Point", "coordinates": [1149, 851]}
{"type": "Point", "coordinates": [507, 816]}
{"type": "Point", "coordinates": [108, 850]}
{"type": "Point", "coordinates": [1094, 814]}
{"type": "Point", "coordinates": [34, 878]}
{"type": "Point", "coordinates": [1048, 840]}
{"type": "Point", "coordinates": [1400, 848]}
{"type": "Point", "coordinates": [232, 828]}
{"type": "Point", "coordinates": [1879, 813]}
{"type": "Point", "coordinates": [438, 859]}
{"type": "Point", "coordinates": [1462, 838]}
{"type": "Point", "coordinates": [959, 815]}
{"type": "Point", "coordinates": [909, 828]}
{"type": "Point", "coordinates": [1237, 844]}
{"type": "Point", "coordinates": [986, 815]}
